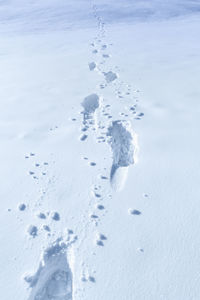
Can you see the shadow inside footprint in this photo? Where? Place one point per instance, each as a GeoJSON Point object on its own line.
{"type": "Point", "coordinates": [113, 171]}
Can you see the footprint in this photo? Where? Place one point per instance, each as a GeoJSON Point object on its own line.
{"type": "Point", "coordinates": [32, 230]}
{"type": "Point", "coordinates": [90, 104]}
{"type": "Point", "coordinates": [53, 279]}
{"type": "Point", "coordinates": [124, 151]}
{"type": "Point", "coordinates": [110, 76]}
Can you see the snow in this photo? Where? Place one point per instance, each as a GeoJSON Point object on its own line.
{"type": "Point", "coordinates": [99, 147]}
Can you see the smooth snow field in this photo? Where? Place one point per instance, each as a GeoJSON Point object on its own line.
{"type": "Point", "coordinates": [99, 150]}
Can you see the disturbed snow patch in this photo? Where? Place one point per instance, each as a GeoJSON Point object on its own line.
{"type": "Point", "coordinates": [53, 279]}
{"type": "Point", "coordinates": [123, 145]}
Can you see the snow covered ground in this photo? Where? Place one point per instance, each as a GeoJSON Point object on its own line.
{"type": "Point", "coordinates": [99, 148]}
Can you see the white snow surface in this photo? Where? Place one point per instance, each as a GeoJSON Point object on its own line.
{"type": "Point", "coordinates": [99, 178]}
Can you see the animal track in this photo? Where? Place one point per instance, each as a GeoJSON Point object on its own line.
{"type": "Point", "coordinates": [83, 137]}
{"type": "Point", "coordinates": [100, 207]}
{"type": "Point", "coordinates": [99, 243]}
{"type": "Point", "coordinates": [106, 55]}
{"type": "Point", "coordinates": [41, 215]}
{"type": "Point", "coordinates": [134, 212]}
{"type": "Point", "coordinates": [55, 216]}
{"type": "Point", "coordinates": [22, 206]}
{"type": "Point", "coordinates": [100, 239]}
{"type": "Point", "coordinates": [38, 169]}
{"type": "Point", "coordinates": [47, 228]}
